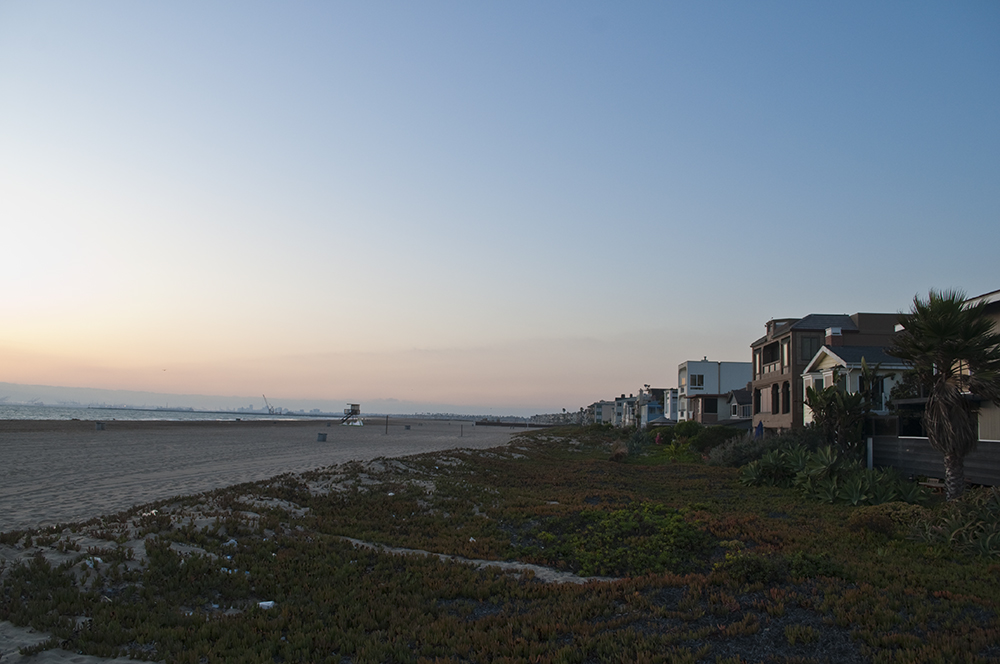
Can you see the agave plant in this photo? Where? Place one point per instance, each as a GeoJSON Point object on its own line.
{"type": "Point", "coordinates": [823, 462]}
{"type": "Point", "coordinates": [828, 489]}
{"type": "Point", "coordinates": [855, 490]}
{"type": "Point", "coordinates": [796, 458]}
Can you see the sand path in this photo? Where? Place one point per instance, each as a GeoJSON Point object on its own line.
{"type": "Point", "coordinates": [63, 471]}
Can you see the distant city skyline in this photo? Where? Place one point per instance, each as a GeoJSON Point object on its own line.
{"type": "Point", "coordinates": [16, 395]}
{"type": "Point", "coordinates": [518, 206]}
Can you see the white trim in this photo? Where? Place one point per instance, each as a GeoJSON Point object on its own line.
{"type": "Point", "coordinates": [988, 298]}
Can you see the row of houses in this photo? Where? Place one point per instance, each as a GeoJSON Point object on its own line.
{"type": "Point", "coordinates": [768, 392]}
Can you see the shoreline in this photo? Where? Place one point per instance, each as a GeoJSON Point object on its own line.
{"type": "Point", "coordinates": [62, 471]}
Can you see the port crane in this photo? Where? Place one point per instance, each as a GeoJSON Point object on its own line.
{"type": "Point", "coordinates": [270, 408]}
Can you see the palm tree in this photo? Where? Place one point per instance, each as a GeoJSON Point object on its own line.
{"type": "Point", "coordinates": [955, 357]}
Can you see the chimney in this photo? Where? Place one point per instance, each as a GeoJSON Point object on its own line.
{"type": "Point", "coordinates": [834, 337]}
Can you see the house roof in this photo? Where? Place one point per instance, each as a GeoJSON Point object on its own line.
{"type": "Point", "coordinates": [850, 356]}
{"type": "Point", "coordinates": [988, 298]}
{"type": "Point", "coordinates": [742, 396]}
{"type": "Point", "coordinates": [823, 321]}
{"type": "Point", "coordinates": [810, 322]}
{"type": "Point", "coordinates": [872, 354]}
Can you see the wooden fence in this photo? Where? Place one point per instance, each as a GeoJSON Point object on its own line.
{"type": "Point", "coordinates": [915, 456]}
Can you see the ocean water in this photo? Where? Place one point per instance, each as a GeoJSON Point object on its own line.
{"type": "Point", "coordinates": [35, 412]}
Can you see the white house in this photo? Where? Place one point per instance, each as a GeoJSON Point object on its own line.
{"type": "Point", "coordinates": [604, 412]}
{"type": "Point", "coordinates": [708, 382]}
{"type": "Point", "coordinates": [846, 362]}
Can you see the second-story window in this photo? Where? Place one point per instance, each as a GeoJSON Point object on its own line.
{"type": "Point", "coordinates": [697, 380]}
{"type": "Point", "coordinates": [808, 346]}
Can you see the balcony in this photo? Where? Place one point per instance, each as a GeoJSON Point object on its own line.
{"type": "Point", "coordinates": [772, 367]}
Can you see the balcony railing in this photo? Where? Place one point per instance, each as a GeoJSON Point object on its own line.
{"type": "Point", "coordinates": [772, 367]}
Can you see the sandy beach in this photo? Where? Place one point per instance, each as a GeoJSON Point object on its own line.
{"type": "Point", "coordinates": [65, 471]}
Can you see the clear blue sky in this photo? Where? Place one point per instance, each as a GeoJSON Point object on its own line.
{"type": "Point", "coordinates": [521, 206]}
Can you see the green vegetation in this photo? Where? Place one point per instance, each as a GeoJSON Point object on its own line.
{"type": "Point", "coordinates": [827, 475]}
{"type": "Point", "coordinates": [740, 451]}
{"type": "Point", "coordinates": [840, 415]}
{"type": "Point", "coordinates": [706, 568]}
{"type": "Point", "coordinates": [638, 539]}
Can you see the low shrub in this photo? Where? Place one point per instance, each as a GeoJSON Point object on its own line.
{"type": "Point", "coordinates": [828, 476]}
{"type": "Point", "coordinates": [662, 435]}
{"type": "Point", "coordinates": [688, 429]}
{"type": "Point", "coordinates": [970, 524]}
{"type": "Point", "coordinates": [810, 565]}
{"type": "Point", "coordinates": [751, 568]}
{"type": "Point", "coordinates": [676, 451]}
{"type": "Point", "coordinates": [893, 518]}
{"type": "Point", "coordinates": [876, 523]}
{"type": "Point", "coordinates": [741, 450]}
{"type": "Point", "coordinates": [648, 537]}
{"type": "Point", "coordinates": [711, 437]}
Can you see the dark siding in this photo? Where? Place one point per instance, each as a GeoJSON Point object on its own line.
{"type": "Point", "coordinates": [915, 456]}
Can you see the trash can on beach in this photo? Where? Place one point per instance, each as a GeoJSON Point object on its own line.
{"type": "Point", "coordinates": [321, 438]}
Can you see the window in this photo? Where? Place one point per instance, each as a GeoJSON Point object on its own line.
{"type": "Point", "coordinates": [756, 401]}
{"type": "Point", "coordinates": [878, 394]}
{"type": "Point", "coordinates": [712, 406]}
{"type": "Point", "coordinates": [771, 353]}
{"type": "Point", "coordinates": [786, 398]}
{"type": "Point", "coordinates": [697, 380]}
{"type": "Point", "coordinates": [775, 398]}
{"type": "Point", "coordinates": [817, 384]}
{"type": "Point", "coordinates": [734, 410]}
{"type": "Point", "coordinates": [784, 353]}
{"type": "Point", "coordinates": [808, 346]}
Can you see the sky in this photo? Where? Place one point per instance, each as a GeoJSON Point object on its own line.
{"type": "Point", "coordinates": [511, 207]}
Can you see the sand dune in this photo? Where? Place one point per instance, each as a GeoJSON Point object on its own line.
{"type": "Point", "coordinates": [63, 471]}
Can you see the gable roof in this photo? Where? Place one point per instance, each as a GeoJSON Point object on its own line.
{"type": "Point", "coordinates": [850, 356]}
{"type": "Point", "coordinates": [742, 396]}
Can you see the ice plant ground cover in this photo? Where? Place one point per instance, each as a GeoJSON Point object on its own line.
{"type": "Point", "coordinates": [693, 566]}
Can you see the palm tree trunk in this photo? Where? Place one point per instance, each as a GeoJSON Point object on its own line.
{"type": "Point", "coordinates": [954, 476]}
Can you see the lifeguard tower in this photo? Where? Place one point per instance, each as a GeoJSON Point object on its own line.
{"type": "Point", "coordinates": [352, 416]}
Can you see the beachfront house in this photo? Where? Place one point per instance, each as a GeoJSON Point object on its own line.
{"type": "Point", "coordinates": [649, 407]}
{"type": "Point", "coordinates": [604, 412]}
{"type": "Point", "coordinates": [625, 410]}
{"type": "Point", "coordinates": [989, 412]}
{"type": "Point", "coordinates": [842, 365]}
{"type": "Point", "coordinates": [702, 387]}
{"type": "Point", "coordinates": [739, 404]}
{"type": "Point", "coordinates": [781, 356]}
